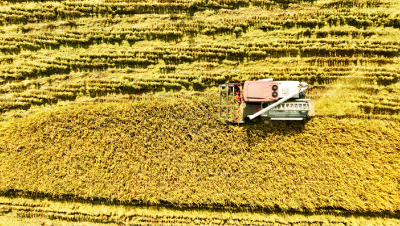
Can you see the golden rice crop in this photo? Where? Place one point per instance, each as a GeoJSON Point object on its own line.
{"type": "Point", "coordinates": [176, 152]}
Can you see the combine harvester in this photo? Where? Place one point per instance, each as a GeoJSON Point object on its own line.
{"type": "Point", "coordinates": [272, 100]}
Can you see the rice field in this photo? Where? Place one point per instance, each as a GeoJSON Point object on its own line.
{"type": "Point", "coordinates": [108, 113]}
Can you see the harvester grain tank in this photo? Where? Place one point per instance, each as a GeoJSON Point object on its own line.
{"type": "Point", "coordinates": [271, 100]}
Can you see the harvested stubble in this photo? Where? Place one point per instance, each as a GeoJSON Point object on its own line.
{"type": "Point", "coordinates": [176, 152]}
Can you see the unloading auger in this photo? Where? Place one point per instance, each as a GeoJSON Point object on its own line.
{"type": "Point", "coordinates": [271, 100]}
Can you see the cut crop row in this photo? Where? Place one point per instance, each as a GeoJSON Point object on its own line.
{"type": "Point", "coordinates": [33, 70]}
{"type": "Point", "coordinates": [138, 59]}
{"type": "Point", "coordinates": [60, 210]}
{"type": "Point", "coordinates": [82, 38]}
{"type": "Point", "coordinates": [71, 10]}
{"type": "Point", "coordinates": [348, 61]}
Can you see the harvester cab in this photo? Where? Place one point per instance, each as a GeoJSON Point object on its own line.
{"type": "Point", "coordinates": [271, 100]}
